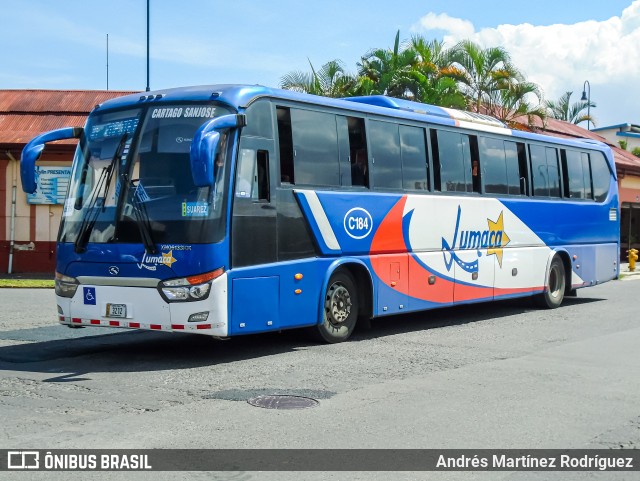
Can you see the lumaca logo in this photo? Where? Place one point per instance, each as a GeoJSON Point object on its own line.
{"type": "Point", "coordinates": [151, 262]}
{"type": "Point", "coordinates": [493, 240]}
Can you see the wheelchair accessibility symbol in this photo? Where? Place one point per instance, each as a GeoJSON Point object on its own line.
{"type": "Point", "coordinates": [89, 295]}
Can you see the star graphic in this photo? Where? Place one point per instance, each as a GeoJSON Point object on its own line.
{"type": "Point", "coordinates": [168, 259]}
{"type": "Point", "coordinates": [501, 236]}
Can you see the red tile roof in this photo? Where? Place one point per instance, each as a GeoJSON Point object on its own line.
{"type": "Point", "coordinates": [27, 113]}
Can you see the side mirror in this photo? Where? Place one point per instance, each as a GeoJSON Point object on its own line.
{"type": "Point", "coordinates": [33, 149]}
{"type": "Point", "coordinates": [205, 145]}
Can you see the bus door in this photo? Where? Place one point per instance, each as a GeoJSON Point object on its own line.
{"type": "Point", "coordinates": [253, 237]}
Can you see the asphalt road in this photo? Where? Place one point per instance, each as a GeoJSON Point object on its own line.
{"type": "Point", "coordinates": [501, 375]}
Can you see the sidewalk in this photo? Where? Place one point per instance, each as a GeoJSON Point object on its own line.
{"type": "Point", "coordinates": [49, 276]}
{"type": "Point", "coordinates": [626, 275]}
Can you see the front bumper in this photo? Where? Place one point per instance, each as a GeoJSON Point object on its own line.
{"type": "Point", "coordinates": [145, 309]}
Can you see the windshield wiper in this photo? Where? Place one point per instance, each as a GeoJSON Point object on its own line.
{"type": "Point", "coordinates": [100, 192]}
{"type": "Point", "coordinates": [142, 219]}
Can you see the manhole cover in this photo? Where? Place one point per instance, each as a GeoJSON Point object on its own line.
{"type": "Point", "coordinates": [283, 402]}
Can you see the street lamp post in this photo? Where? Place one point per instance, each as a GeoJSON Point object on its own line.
{"type": "Point", "coordinates": [588, 99]}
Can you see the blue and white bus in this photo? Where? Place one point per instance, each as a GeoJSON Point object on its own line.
{"type": "Point", "coordinates": [230, 209]}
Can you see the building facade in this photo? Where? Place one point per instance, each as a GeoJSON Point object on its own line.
{"type": "Point", "coordinates": [629, 133]}
{"type": "Point", "coordinates": [29, 226]}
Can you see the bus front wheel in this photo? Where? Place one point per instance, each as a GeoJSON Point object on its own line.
{"type": "Point", "coordinates": [553, 294]}
{"type": "Point", "coordinates": [340, 307]}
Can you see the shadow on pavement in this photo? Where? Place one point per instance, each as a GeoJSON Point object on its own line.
{"type": "Point", "coordinates": [139, 351]}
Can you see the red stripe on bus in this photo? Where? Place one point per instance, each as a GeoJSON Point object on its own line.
{"type": "Point", "coordinates": [77, 320]}
{"type": "Point", "coordinates": [114, 323]}
{"type": "Point", "coordinates": [95, 321]}
{"type": "Point", "coordinates": [134, 324]}
{"type": "Point", "coordinates": [203, 326]}
{"type": "Point", "coordinates": [177, 326]}
{"type": "Point", "coordinates": [155, 326]}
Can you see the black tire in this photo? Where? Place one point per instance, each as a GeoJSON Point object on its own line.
{"type": "Point", "coordinates": [554, 286]}
{"type": "Point", "coordinates": [340, 307]}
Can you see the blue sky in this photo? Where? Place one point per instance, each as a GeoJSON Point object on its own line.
{"type": "Point", "coordinates": [558, 44]}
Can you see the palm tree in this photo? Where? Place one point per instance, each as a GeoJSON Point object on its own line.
{"type": "Point", "coordinates": [486, 71]}
{"type": "Point", "coordinates": [388, 70]}
{"type": "Point", "coordinates": [515, 103]}
{"type": "Point", "coordinates": [563, 109]}
{"type": "Point", "coordinates": [435, 78]}
{"type": "Point", "coordinates": [330, 81]}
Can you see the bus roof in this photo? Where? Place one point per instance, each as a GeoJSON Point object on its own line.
{"type": "Point", "coordinates": [240, 96]}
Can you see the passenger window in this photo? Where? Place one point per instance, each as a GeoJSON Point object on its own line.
{"type": "Point", "coordinates": [586, 173]}
{"type": "Point", "coordinates": [601, 177]}
{"type": "Point", "coordinates": [385, 153]}
{"type": "Point", "coordinates": [494, 165]}
{"type": "Point", "coordinates": [415, 163]}
{"type": "Point", "coordinates": [554, 171]}
{"type": "Point", "coordinates": [358, 154]}
{"type": "Point", "coordinates": [285, 143]}
{"type": "Point", "coordinates": [452, 162]}
{"type": "Point", "coordinates": [315, 148]}
{"type": "Point", "coordinates": [574, 179]}
{"type": "Point", "coordinates": [516, 161]}
{"type": "Point", "coordinates": [545, 171]}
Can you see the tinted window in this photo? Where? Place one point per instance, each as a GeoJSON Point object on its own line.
{"type": "Point", "coordinates": [539, 175]}
{"type": "Point", "coordinates": [554, 171]}
{"type": "Point", "coordinates": [259, 120]}
{"type": "Point", "coordinates": [454, 165]}
{"type": "Point", "coordinates": [516, 167]}
{"type": "Point", "coordinates": [586, 172]}
{"type": "Point", "coordinates": [285, 144]}
{"type": "Point", "coordinates": [494, 166]}
{"type": "Point", "coordinates": [601, 177]}
{"type": "Point", "coordinates": [358, 156]}
{"type": "Point", "coordinates": [573, 169]}
{"type": "Point", "coordinates": [315, 147]}
{"type": "Point", "coordinates": [385, 150]}
{"type": "Point", "coordinates": [414, 158]}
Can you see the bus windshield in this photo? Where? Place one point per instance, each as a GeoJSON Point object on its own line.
{"type": "Point", "coordinates": [132, 182]}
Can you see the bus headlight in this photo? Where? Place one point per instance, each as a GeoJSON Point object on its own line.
{"type": "Point", "coordinates": [65, 286]}
{"type": "Point", "coordinates": [188, 289]}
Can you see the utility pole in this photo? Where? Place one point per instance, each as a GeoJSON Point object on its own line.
{"type": "Point", "coordinates": [107, 61]}
{"type": "Point", "coordinates": [148, 88]}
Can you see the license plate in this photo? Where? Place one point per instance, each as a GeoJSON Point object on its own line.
{"type": "Point", "coordinates": [116, 310]}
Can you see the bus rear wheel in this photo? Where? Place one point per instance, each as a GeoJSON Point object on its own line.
{"type": "Point", "coordinates": [340, 307]}
{"type": "Point", "coordinates": [555, 285]}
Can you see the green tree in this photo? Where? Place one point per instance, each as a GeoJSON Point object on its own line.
{"type": "Point", "coordinates": [485, 72]}
{"type": "Point", "coordinates": [516, 103]}
{"type": "Point", "coordinates": [636, 151]}
{"type": "Point", "coordinates": [330, 81]}
{"type": "Point", "coordinates": [387, 71]}
{"type": "Point", "coordinates": [433, 77]}
{"type": "Point", "coordinates": [575, 113]}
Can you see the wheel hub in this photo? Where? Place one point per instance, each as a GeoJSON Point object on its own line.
{"type": "Point", "coordinates": [338, 304]}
